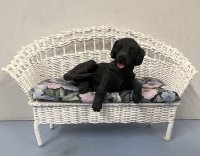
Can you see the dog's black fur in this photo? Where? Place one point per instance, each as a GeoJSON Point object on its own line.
{"type": "Point", "coordinates": [110, 77]}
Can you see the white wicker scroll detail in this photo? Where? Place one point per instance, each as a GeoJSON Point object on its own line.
{"type": "Point", "coordinates": [51, 57]}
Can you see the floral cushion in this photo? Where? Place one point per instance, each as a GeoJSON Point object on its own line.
{"type": "Point", "coordinates": [153, 91]}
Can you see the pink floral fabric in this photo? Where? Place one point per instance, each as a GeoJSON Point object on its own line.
{"type": "Point", "coordinates": [148, 93]}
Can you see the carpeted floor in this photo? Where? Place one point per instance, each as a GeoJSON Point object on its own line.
{"type": "Point", "coordinates": [17, 139]}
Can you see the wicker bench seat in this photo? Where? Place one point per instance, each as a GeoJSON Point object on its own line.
{"type": "Point", "coordinates": [51, 57]}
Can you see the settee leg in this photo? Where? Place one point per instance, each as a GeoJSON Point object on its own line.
{"type": "Point", "coordinates": [51, 126]}
{"type": "Point", "coordinates": [169, 131]}
{"type": "Point", "coordinates": [37, 134]}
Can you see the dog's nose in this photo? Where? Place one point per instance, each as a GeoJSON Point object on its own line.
{"type": "Point", "coordinates": [122, 57]}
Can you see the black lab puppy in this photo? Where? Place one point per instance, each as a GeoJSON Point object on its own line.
{"type": "Point", "coordinates": [115, 76]}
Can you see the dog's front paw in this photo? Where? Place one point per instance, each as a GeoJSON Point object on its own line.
{"type": "Point", "coordinates": [96, 106]}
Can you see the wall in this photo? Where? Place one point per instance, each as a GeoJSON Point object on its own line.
{"type": "Point", "coordinates": [175, 22]}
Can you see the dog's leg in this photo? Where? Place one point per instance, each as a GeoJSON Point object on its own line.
{"type": "Point", "coordinates": [137, 91]}
{"type": "Point", "coordinates": [81, 71]}
{"type": "Point", "coordinates": [83, 87]}
{"type": "Point", "coordinates": [100, 93]}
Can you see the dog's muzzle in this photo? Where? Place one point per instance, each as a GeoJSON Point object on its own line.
{"type": "Point", "coordinates": [121, 61]}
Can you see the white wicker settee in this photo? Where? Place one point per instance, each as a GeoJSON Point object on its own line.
{"type": "Point", "coordinates": [51, 57]}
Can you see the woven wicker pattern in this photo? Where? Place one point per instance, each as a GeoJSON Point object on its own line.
{"type": "Point", "coordinates": [51, 57]}
{"type": "Point", "coordinates": [110, 113]}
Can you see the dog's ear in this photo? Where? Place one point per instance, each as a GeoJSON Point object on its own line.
{"type": "Point", "coordinates": [140, 57]}
{"type": "Point", "coordinates": [113, 51]}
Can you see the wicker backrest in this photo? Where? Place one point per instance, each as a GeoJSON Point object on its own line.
{"type": "Point", "coordinates": [54, 55]}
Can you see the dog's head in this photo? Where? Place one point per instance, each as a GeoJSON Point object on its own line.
{"type": "Point", "coordinates": [127, 53]}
